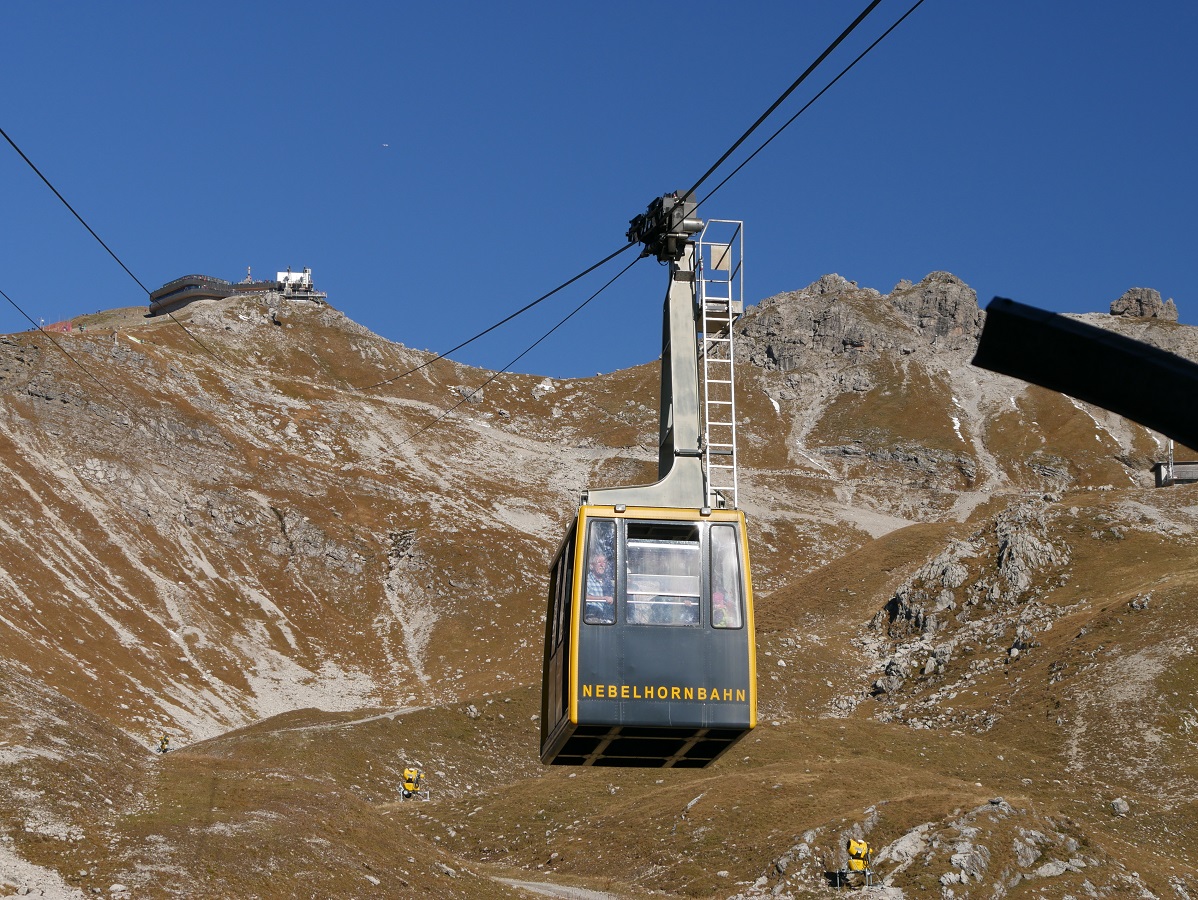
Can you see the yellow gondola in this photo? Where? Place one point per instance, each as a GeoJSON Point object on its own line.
{"type": "Point", "coordinates": [649, 644]}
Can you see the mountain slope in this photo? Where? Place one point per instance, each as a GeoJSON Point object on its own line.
{"type": "Point", "coordinates": [246, 535]}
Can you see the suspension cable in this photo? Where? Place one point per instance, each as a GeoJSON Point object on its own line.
{"type": "Point", "coordinates": [809, 103]}
{"type": "Point", "coordinates": [504, 321]}
{"type": "Point", "coordinates": [64, 352]}
{"type": "Point", "coordinates": [811, 68]}
{"type": "Point", "coordinates": [521, 355]}
{"type": "Point", "coordinates": [100, 240]}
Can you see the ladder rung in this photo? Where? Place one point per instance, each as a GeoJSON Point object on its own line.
{"type": "Point", "coordinates": [719, 310]}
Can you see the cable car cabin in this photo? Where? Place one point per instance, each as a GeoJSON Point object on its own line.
{"type": "Point", "coordinates": [649, 651]}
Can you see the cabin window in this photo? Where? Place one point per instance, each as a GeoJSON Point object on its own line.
{"type": "Point", "coordinates": [555, 604]}
{"type": "Point", "coordinates": [563, 576]}
{"type": "Point", "coordinates": [600, 576]}
{"type": "Point", "coordinates": [663, 572]}
{"type": "Point", "coordinates": [726, 606]}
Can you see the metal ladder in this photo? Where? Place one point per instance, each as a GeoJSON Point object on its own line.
{"type": "Point", "coordinates": [719, 292]}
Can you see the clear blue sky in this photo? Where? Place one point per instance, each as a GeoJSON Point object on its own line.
{"type": "Point", "coordinates": [440, 165]}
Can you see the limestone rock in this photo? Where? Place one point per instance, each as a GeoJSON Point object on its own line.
{"type": "Point", "coordinates": [1144, 303]}
{"type": "Point", "coordinates": [835, 319]}
{"type": "Point", "coordinates": [942, 307]}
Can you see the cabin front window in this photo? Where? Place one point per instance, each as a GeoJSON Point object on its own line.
{"type": "Point", "coordinates": [663, 574]}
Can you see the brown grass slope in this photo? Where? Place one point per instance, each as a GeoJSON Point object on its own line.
{"type": "Point", "coordinates": [247, 536]}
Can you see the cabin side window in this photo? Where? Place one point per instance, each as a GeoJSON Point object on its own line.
{"type": "Point", "coordinates": [727, 610]}
{"type": "Point", "coordinates": [562, 585]}
{"type": "Point", "coordinates": [555, 603]}
{"type": "Point", "coordinates": [600, 577]}
{"type": "Point", "coordinates": [663, 574]}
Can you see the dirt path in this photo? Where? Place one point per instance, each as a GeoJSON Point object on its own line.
{"type": "Point", "coordinates": [558, 890]}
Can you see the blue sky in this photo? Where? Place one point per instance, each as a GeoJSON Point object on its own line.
{"type": "Point", "coordinates": [439, 167]}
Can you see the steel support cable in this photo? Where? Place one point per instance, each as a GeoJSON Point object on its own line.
{"type": "Point", "coordinates": [811, 68]}
{"type": "Point", "coordinates": [129, 410]}
{"type": "Point", "coordinates": [38, 171]}
{"type": "Point", "coordinates": [810, 102]}
{"type": "Point", "coordinates": [525, 351]}
{"type": "Point", "coordinates": [100, 240]}
{"type": "Point", "coordinates": [504, 321]}
{"type": "Point", "coordinates": [803, 77]}
{"type": "Point", "coordinates": [155, 430]}
{"type": "Point", "coordinates": [798, 81]}
{"type": "Point", "coordinates": [201, 344]}
{"type": "Point", "coordinates": [64, 352]}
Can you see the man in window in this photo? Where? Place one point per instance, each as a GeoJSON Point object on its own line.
{"type": "Point", "coordinates": [601, 607]}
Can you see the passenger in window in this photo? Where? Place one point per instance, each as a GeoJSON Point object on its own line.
{"type": "Point", "coordinates": [600, 606]}
{"type": "Point", "coordinates": [724, 613]}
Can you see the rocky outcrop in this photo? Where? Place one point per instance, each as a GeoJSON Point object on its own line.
{"type": "Point", "coordinates": [828, 318]}
{"type": "Point", "coordinates": [943, 308]}
{"type": "Point", "coordinates": [834, 318]}
{"type": "Point", "coordinates": [1144, 303]}
{"type": "Point", "coordinates": [988, 850]}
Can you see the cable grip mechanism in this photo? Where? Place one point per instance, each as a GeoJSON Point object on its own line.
{"type": "Point", "coordinates": [666, 226]}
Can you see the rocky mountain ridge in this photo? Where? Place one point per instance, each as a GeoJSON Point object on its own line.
{"type": "Point", "coordinates": [967, 588]}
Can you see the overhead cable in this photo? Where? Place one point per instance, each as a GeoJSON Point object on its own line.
{"type": "Point", "coordinates": [809, 103]}
{"type": "Point", "coordinates": [765, 115]}
{"type": "Point", "coordinates": [90, 231]}
{"type": "Point", "coordinates": [64, 352]}
{"type": "Point", "coordinates": [522, 354]}
{"type": "Point", "coordinates": [811, 68]}
{"type": "Point", "coordinates": [29, 162]}
{"type": "Point", "coordinates": [504, 321]}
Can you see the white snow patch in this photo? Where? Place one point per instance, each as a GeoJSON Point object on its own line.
{"type": "Point", "coordinates": [774, 403]}
{"type": "Point", "coordinates": [957, 428]}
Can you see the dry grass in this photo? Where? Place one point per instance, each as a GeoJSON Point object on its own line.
{"type": "Point", "coordinates": [218, 534]}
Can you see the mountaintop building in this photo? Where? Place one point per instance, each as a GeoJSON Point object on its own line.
{"type": "Point", "coordinates": [174, 295]}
